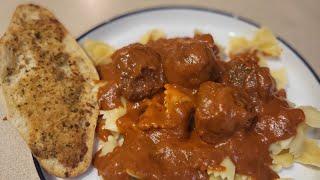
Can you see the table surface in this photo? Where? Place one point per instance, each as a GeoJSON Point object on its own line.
{"type": "Point", "coordinates": [294, 20]}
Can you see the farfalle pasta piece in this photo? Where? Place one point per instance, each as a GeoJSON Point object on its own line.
{"type": "Point", "coordinates": [292, 144]}
{"type": "Point", "coordinates": [112, 142]}
{"type": "Point", "coordinates": [166, 107]}
{"type": "Point", "coordinates": [263, 41]}
{"type": "Point", "coordinates": [262, 61]}
{"type": "Point", "coordinates": [279, 146]}
{"type": "Point", "coordinates": [299, 148]}
{"type": "Point", "coordinates": [111, 116]}
{"type": "Point", "coordinates": [227, 172]}
{"type": "Point", "coordinates": [175, 95]}
{"type": "Point", "coordinates": [152, 35]}
{"type": "Point", "coordinates": [99, 52]}
{"type": "Point", "coordinates": [239, 45]}
{"type": "Point", "coordinates": [310, 153]}
{"type": "Point", "coordinates": [154, 115]}
{"type": "Point", "coordinates": [295, 147]}
{"type": "Point", "coordinates": [282, 160]}
{"type": "Point", "coordinates": [280, 75]}
{"type": "Point", "coordinates": [312, 116]}
{"type": "Point", "coordinates": [242, 177]}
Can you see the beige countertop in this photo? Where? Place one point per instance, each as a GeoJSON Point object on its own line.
{"type": "Point", "coordinates": [294, 20]}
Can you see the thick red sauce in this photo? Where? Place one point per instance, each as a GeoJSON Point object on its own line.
{"type": "Point", "coordinates": [188, 110]}
{"type": "Point", "coordinates": [101, 132]}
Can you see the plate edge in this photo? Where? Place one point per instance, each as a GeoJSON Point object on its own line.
{"type": "Point", "coordinates": [197, 8]}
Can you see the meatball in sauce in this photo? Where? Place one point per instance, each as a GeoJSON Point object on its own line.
{"type": "Point", "coordinates": [135, 73]}
{"type": "Point", "coordinates": [243, 72]}
{"type": "Point", "coordinates": [140, 71]}
{"type": "Point", "coordinates": [221, 110]}
{"type": "Point", "coordinates": [187, 61]}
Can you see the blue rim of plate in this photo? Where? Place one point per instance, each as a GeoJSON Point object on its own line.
{"type": "Point", "coordinates": [214, 11]}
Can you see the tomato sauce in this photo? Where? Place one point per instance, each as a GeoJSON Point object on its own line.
{"type": "Point", "coordinates": [208, 110]}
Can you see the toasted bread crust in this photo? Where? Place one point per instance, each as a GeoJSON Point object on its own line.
{"type": "Point", "coordinates": [48, 84]}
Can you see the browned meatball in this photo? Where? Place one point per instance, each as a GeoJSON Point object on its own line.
{"type": "Point", "coordinates": [141, 73]}
{"type": "Point", "coordinates": [186, 61]}
{"type": "Point", "coordinates": [220, 111]}
{"type": "Point", "coordinates": [209, 40]}
{"type": "Point", "coordinates": [244, 72]}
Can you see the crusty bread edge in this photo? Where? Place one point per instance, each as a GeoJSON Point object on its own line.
{"type": "Point", "coordinates": [9, 107]}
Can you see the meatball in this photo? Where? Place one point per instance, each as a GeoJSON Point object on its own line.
{"type": "Point", "coordinates": [209, 40]}
{"type": "Point", "coordinates": [141, 72]}
{"type": "Point", "coordinates": [244, 72]}
{"type": "Point", "coordinates": [220, 111]}
{"type": "Point", "coordinates": [187, 62]}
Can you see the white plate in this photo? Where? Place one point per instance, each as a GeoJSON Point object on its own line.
{"type": "Point", "coordinates": [303, 87]}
